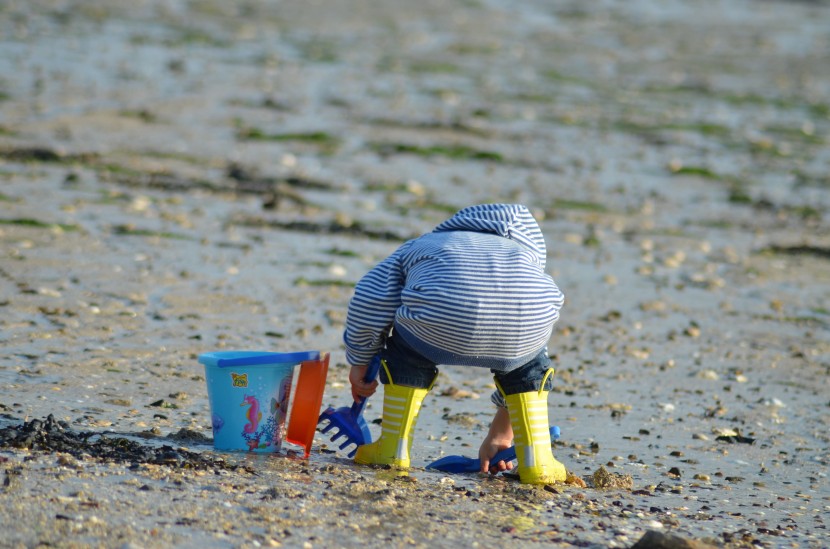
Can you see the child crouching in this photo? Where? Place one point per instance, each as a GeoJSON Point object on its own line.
{"type": "Point", "coordinates": [473, 292]}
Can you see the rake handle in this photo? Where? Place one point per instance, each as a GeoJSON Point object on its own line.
{"type": "Point", "coordinates": [371, 374]}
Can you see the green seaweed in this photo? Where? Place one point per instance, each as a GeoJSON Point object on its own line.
{"type": "Point", "coordinates": [326, 142]}
{"type": "Point", "coordinates": [739, 99]}
{"type": "Point", "coordinates": [456, 152]}
{"type": "Point", "coordinates": [118, 169]}
{"type": "Point", "coordinates": [128, 230]}
{"type": "Point", "coordinates": [698, 171]}
{"type": "Point", "coordinates": [796, 250]}
{"type": "Point", "coordinates": [473, 49]}
{"type": "Point", "coordinates": [34, 223]}
{"type": "Point", "coordinates": [316, 264]}
{"type": "Point", "coordinates": [703, 128]}
{"type": "Point", "coordinates": [716, 224]}
{"type": "Point", "coordinates": [803, 212]}
{"type": "Point", "coordinates": [107, 197]}
{"type": "Point", "coordinates": [738, 195]}
{"type": "Point", "coordinates": [454, 126]}
{"type": "Point", "coordinates": [320, 138]}
{"type": "Point", "coordinates": [792, 319]}
{"type": "Point", "coordinates": [751, 99]}
{"type": "Point", "coordinates": [433, 67]}
{"type": "Point", "coordinates": [556, 76]}
{"type": "Point", "coordinates": [341, 253]}
{"type": "Point", "coordinates": [387, 187]}
{"type": "Point", "coordinates": [820, 110]}
{"type": "Point", "coordinates": [170, 155]}
{"type": "Point", "coordinates": [33, 154]}
{"type": "Point", "coordinates": [591, 241]}
{"type": "Point", "coordinates": [795, 134]}
{"type": "Point", "coordinates": [803, 179]}
{"type": "Point", "coordinates": [439, 206]}
{"type": "Point", "coordinates": [303, 281]}
{"type": "Point", "coordinates": [143, 115]}
{"type": "Point", "coordinates": [815, 109]}
{"type": "Point", "coordinates": [266, 103]}
{"type": "Point", "coordinates": [767, 148]}
{"type": "Point", "coordinates": [534, 97]}
{"type": "Point", "coordinates": [191, 36]}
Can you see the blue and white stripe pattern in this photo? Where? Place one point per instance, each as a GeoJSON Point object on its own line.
{"type": "Point", "coordinates": [473, 292]}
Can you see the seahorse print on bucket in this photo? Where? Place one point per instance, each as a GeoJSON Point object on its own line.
{"type": "Point", "coordinates": [253, 414]}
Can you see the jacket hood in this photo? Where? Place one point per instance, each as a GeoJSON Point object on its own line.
{"type": "Point", "coordinates": [512, 221]}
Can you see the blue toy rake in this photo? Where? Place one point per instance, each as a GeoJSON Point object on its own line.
{"type": "Point", "coordinates": [348, 421]}
{"type": "Point", "coordinates": [463, 464]}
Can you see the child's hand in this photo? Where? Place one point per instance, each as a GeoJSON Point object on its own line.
{"type": "Point", "coordinates": [361, 388]}
{"type": "Point", "coordinates": [490, 448]}
{"type": "Point", "coordinates": [499, 437]}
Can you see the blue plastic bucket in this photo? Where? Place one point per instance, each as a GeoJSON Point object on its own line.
{"type": "Point", "coordinates": [249, 393]}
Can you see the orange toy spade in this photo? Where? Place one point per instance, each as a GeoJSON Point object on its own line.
{"type": "Point", "coordinates": [308, 398]}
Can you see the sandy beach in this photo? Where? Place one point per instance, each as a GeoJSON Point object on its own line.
{"type": "Point", "coordinates": [181, 177]}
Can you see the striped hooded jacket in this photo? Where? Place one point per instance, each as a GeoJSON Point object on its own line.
{"type": "Point", "coordinates": [473, 292]}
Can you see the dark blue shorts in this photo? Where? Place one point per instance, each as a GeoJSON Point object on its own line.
{"type": "Point", "coordinates": [409, 368]}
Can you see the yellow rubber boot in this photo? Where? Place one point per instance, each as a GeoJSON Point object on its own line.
{"type": "Point", "coordinates": [400, 413]}
{"type": "Point", "coordinates": [531, 436]}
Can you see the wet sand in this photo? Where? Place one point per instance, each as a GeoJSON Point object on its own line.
{"type": "Point", "coordinates": [178, 178]}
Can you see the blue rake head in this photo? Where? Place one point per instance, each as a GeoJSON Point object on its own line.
{"type": "Point", "coordinates": [348, 421]}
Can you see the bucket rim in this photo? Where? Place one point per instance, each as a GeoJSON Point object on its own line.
{"type": "Point", "coordinates": [232, 359]}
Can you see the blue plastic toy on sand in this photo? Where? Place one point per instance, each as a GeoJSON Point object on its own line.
{"type": "Point", "coordinates": [462, 464]}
